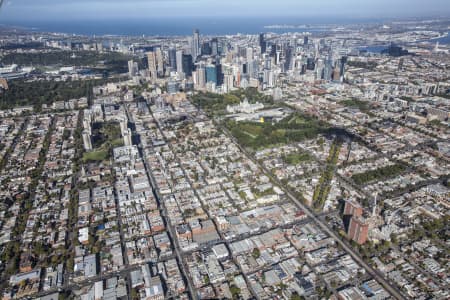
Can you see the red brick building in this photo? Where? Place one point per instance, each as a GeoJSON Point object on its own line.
{"type": "Point", "coordinates": [358, 230]}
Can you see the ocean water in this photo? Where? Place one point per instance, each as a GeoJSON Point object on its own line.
{"type": "Point", "coordinates": [182, 26]}
{"type": "Point", "coordinates": [443, 40]}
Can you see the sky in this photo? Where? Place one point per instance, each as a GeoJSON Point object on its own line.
{"type": "Point", "coordinates": [45, 10]}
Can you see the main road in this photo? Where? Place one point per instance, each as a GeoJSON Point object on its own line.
{"type": "Point", "coordinates": [378, 276]}
{"type": "Point", "coordinates": [170, 228]}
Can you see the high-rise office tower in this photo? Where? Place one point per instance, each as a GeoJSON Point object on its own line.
{"type": "Point", "coordinates": [342, 66]}
{"type": "Point", "coordinates": [133, 68]}
{"type": "Point", "coordinates": [228, 81]}
{"type": "Point", "coordinates": [320, 66]}
{"type": "Point", "coordinates": [151, 59]}
{"type": "Point", "coordinates": [172, 58]}
{"type": "Point", "coordinates": [253, 69]}
{"type": "Point", "coordinates": [271, 82]}
{"type": "Point", "coordinates": [200, 78]}
{"type": "Point", "coordinates": [267, 63]}
{"type": "Point", "coordinates": [179, 60]}
{"type": "Point", "coordinates": [195, 45]}
{"type": "Point", "coordinates": [195, 78]}
{"type": "Point", "coordinates": [242, 51]}
{"type": "Point", "coordinates": [190, 45]}
{"type": "Point", "coordinates": [262, 43]}
{"type": "Point", "coordinates": [305, 40]}
{"type": "Point", "coordinates": [206, 49]}
{"type": "Point", "coordinates": [130, 68]}
{"type": "Point", "coordinates": [303, 69]}
{"type": "Point", "coordinates": [327, 71]}
{"type": "Point", "coordinates": [214, 47]}
{"type": "Point", "coordinates": [278, 57]}
{"type": "Point", "coordinates": [289, 58]}
{"type": "Point", "coordinates": [220, 76]}
{"type": "Point", "coordinates": [211, 74]}
{"type": "Point", "coordinates": [249, 54]}
{"type": "Point", "coordinates": [273, 50]}
{"type": "Point", "coordinates": [159, 62]}
{"type": "Point", "coordinates": [310, 64]}
{"type": "Point", "coordinates": [244, 68]}
{"type": "Point", "coordinates": [187, 64]}
{"type": "Point", "coordinates": [266, 76]}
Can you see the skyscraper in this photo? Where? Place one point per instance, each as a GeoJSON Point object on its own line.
{"type": "Point", "coordinates": [211, 74]}
{"type": "Point", "coordinates": [133, 68]}
{"type": "Point", "coordinates": [262, 43]}
{"type": "Point", "coordinates": [206, 49]}
{"type": "Point", "coordinates": [187, 64]}
{"type": "Point", "coordinates": [320, 66]}
{"type": "Point", "coordinates": [190, 47]}
{"type": "Point", "coordinates": [267, 63]}
{"type": "Point", "coordinates": [200, 79]}
{"type": "Point", "coordinates": [195, 45]}
{"type": "Point", "coordinates": [214, 47]}
{"type": "Point", "coordinates": [159, 62]}
{"type": "Point", "coordinates": [310, 64]}
{"type": "Point", "coordinates": [179, 60]}
{"type": "Point", "coordinates": [173, 58]}
{"type": "Point", "coordinates": [220, 76]}
{"type": "Point", "coordinates": [278, 57]}
{"type": "Point", "coordinates": [249, 54]}
{"type": "Point", "coordinates": [289, 58]}
{"type": "Point", "coordinates": [252, 69]}
{"type": "Point", "coordinates": [342, 66]}
{"type": "Point", "coordinates": [151, 58]}
{"type": "Point", "coordinates": [228, 82]}
{"type": "Point", "coordinates": [273, 50]}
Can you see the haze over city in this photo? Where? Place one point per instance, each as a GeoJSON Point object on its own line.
{"type": "Point", "coordinates": [19, 10]}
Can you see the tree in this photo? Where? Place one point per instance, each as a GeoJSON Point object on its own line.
{"type": "Point", "coordinates": [134, 294]}
{"type": "Point", "coordinates": [23, 283]}
{"type": "Point", "coordinates": [235, 291]}
{"type": "Point", "coordinates": [296, 296]}
{"type": "Point", "coordinates": [256, 253]}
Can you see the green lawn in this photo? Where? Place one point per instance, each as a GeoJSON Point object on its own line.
{"type": "Point", "coordinates": [100, 155]}
{"type": "Point", "coordinates": [354, 103]}
{"type": "Point", "coordinates": [22, 92]}
{"type": "Point", "coordinates": [296, 120]}
{"type": "Point", "coordinates": [294, 128]}
{"type": "Point", "coordinates": [117, 143]}
{"type": "Point", "coordinates": [296, 158]}
{"type": "Point", "coordinates": [379, 174]}
{"type": "Point", "coordinates": [66, 58]}
{"type": "Point", "coordinates": [105, 137]}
